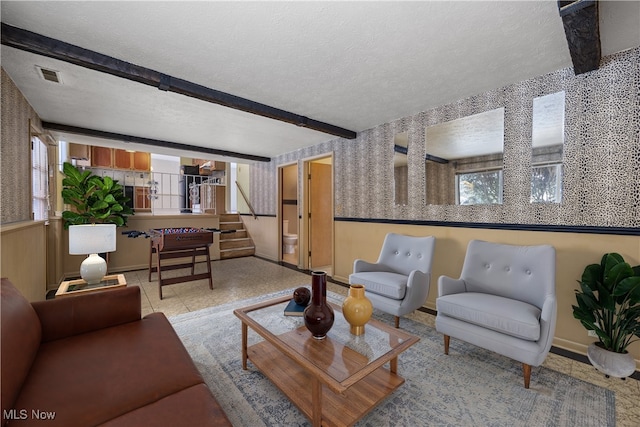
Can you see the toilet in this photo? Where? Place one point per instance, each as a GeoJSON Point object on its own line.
{"type": "Point", "coordinates": [289, 241]}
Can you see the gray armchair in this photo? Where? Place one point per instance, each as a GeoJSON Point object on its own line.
{"type": "Point", "coordinates": [504, 301]}
{"type": "Point", "coordinates": [398, 283]}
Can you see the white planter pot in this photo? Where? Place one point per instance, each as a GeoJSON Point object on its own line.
{"type": "Point", "coordinates": [619, 365]}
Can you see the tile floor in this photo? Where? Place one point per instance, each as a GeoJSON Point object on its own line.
{"type": "Point", "coordinates": [241, 278]}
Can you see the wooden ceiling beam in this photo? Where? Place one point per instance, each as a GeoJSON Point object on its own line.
{"type": "Point", "coordinates": [149, 141]}
{"type": "Point", "coordinates": [581, 26]}
{"type": "Point", "coordinates": [52, 48]}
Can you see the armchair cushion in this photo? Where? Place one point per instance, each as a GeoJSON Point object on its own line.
{"type": "Point", "coordinates": [508, 316]}
{"type": "Point", "coordinates": [390, 285]}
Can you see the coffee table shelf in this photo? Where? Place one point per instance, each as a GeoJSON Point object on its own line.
{"type": "Point", "coordinates": [342, 409]}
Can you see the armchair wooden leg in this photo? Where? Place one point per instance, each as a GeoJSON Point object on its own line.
{"type": "Point", "coordinates": [526, 369]}
{"type": "Point", "coordinates": [397, 322]}
{"type": "Point", "coordinates": [447, 338]}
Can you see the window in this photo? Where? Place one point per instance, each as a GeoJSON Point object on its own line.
{"type": "Point", "coordinates": [546, 183]}
{"type": "Point", "coordinates": [479, 188]}
{"type": "Point", "coordinates": [39, 180]}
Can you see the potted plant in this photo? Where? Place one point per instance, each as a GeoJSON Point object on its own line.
{"type": "Point", "coordinates": [94, 199]}
{"type": "Point", "coordinates": [609, 305]}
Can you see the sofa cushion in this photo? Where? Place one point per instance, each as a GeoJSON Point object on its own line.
{"type": "Point", "coordinates": [21, 334]}
{"type": "Point", "coordinates": [91, 378]}
{"type": "Point", "coordinates": [193, 406]}
{"type": "Point", "coordinates": [508, 316]}
{"type": "Point", "coordinates": [390, 285]}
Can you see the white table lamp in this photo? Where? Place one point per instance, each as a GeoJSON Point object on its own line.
{"type": "Point", "coordinates": [92, 239]}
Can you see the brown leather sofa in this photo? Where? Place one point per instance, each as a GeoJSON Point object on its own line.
{"type": "Point", "coordinates": [91, 360]}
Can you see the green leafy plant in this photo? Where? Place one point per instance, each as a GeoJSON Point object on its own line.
{"type": "Point", "coordinates": [609, 302]}
{"type": "Point", "coordinates": [95, 199]}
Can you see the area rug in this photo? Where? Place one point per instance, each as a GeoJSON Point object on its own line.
{"type": "Point", "coordinates": [470, 387]}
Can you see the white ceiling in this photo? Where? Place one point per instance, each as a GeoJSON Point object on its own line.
{"type": "Point", "coordinates": [351, 64]}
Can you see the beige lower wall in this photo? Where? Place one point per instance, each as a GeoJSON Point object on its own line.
{"type": "Point", "coordinates": [264, 232]}
{"type": "Point", "coordinates": [574, 251]}
{"type": "Point", "coordinates": [133, 253]}
{"type": "Point", "coordinates": [23, 251]}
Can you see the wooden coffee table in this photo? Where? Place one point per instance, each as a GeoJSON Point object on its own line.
{"type": "Point", "coordinates": [334, 381]}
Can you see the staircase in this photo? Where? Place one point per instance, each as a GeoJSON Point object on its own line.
{"type": "Point", "coordinates": [235, 241]}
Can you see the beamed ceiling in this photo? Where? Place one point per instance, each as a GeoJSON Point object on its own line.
{"type": "Point", "coordinates": [246, 81]}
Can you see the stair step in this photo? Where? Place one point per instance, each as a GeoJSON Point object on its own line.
{"type": "Point", "coordinates": [231, 226]}
{"type": "Point", "coordinates": [237, 253]}
{"type": "Point", "coordinates": [229, 217]}
{"type": "Point", "coordinates": [235, 243]}
{"type": "Point", "coordinates": [240, 234]}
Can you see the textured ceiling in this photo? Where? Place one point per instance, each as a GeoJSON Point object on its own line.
{"type": "Point", "coordinates": [351, 64]}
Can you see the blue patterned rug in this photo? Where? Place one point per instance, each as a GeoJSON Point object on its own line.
{"type": "Point", "coordinates": [470, 387]}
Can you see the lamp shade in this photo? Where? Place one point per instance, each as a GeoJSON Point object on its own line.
{"type": "Point", "coordinates": [92, 239]}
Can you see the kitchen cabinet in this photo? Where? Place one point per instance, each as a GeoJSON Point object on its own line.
{"type": "Point", "coordinates": [101, 157]}
{"type": "Point", "coordinates": [141, 161]}
{"type": "Point", "coordinates": [122, 159]}
{"type": "Point", "coordinates": [79, 151]}
{"type": "Point", "coordinates": [131, 160]}
{"type": "Point", "coordinates": [142, 202]}
{"type": "Point", "coordinates": [208, 166]}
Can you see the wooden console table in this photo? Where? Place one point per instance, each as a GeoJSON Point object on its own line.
{"type": "Point", "coordinates": [172, 243]}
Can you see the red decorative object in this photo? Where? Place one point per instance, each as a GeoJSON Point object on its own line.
{"type": "Point", "coordinates": [318, 316]}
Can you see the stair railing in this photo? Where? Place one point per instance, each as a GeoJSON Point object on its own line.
{"type": "Point", "coordinates": [246, 199]}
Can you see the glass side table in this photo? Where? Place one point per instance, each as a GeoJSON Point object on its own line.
{"type": "Point", "coordinates": [79, 286]}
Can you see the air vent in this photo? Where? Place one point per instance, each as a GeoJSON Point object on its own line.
{"type": "Point", "coordinates": [49, 75]}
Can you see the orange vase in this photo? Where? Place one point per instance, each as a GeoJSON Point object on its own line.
{"type": "Point", "coordinates": [357, 309]}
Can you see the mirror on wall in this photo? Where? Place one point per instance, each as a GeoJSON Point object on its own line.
{"type": "Point", "coordinates": [463, 161]}
{"type": "Point", "coordinates": [400, 168]}
{"type": "Point", "coordinates": [547, 145]}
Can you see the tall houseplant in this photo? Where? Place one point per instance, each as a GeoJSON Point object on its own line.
{"type": "Point", "coordinates": [609, 304]}
{"type": "Point", "coordinates": [94, 199]}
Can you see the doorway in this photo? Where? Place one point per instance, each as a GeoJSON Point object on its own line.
{"type": "Point", "coordinates": [319, 213]}
{"type": "Point", "coordinates": [289, 215]}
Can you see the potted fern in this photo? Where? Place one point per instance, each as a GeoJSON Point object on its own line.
{"type": "Point", "coordinates": [609, 304]}
{"type": "Point", "coordinates": [94, 199]}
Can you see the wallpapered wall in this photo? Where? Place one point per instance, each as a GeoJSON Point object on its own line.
{"type": "Point", "coordinates": [15, 156]}
{"type": "Point", "coordinates": [601, 157]}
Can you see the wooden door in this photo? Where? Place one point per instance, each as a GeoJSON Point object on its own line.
{"type": "Point", "coordinates": [321, 214]}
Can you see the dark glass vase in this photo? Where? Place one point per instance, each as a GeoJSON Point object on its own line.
{"type": "Point", "coordinates": [318, 316]}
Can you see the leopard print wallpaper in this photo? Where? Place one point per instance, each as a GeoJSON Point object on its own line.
{"type": "Point", "coordinates": [601, 157]}
{"type": "Point", "coordinates": [15, 153]}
